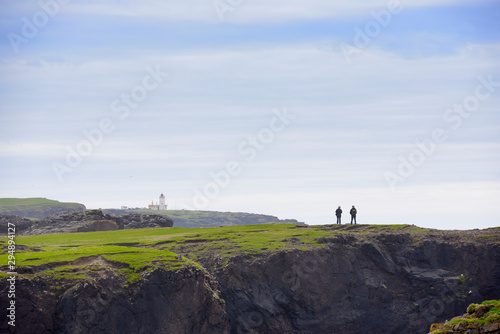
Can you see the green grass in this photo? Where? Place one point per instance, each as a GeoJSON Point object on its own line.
{"type": "Point", "coordinates": [489, 238]}
{"type": "Point", "coordinates": [131, 252]}
{"type": "Point", "coordinates": [8, 203]}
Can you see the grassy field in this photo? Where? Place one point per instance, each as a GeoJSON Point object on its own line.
{"type": "Point", "coordinates": [8, 203]}
{"type": "Point", "coordinates": [131, 252]}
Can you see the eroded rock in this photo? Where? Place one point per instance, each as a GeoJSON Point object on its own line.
{"type": "Point", "coordinates": [94, 220]}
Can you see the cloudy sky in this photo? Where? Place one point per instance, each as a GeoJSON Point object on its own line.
{"type": "Point", "coordinates": [289, 108]}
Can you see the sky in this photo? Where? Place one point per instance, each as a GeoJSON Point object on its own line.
{"type": "Point", "coordinates": [288, 108]}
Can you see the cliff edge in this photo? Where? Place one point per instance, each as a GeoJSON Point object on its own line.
{"type": "Point", "coordinates": [347, 279]}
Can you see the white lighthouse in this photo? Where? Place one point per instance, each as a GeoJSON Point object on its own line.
{"type": "Point", "coordinates": [162, 205]}
{"type": "Point", "coordinates": [159, 206]}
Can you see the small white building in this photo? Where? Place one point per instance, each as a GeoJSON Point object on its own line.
{"type": "Point", "coordinates": [158, 206]}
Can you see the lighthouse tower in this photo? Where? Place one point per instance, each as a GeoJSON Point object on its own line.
{"type": "Point", "coordinates": [162, 205]}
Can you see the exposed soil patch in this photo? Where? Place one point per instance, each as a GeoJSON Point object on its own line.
{"type": "Point", "coordinates": [125, 244]}
{"type": "Point", "coordinates": [195, 241]}
{"type": "Point", "coordinates": [164, 242]}
{"type": "Point", "coordinates": [24, 248]}
{"type": "Point", "coordinates": [95, 260]}
{"type": "Point", "coordinates": [292, 240]}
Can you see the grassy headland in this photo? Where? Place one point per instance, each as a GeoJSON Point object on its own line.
{"type": "Point", "coordinates": [73, 254]}
{"type": "Point", "coordinates": [131, 252]}
{"type": "Point", "coordinates": [36, 208]}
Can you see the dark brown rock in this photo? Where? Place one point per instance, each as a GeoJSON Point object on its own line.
{"type": "Point", "coordinates": [94, 220]}
{"type": "Point", "coordinates": [21, 224]}
{"type": "Point", "coordinates": [140, 220]}
{"type": "Point", "coordinates": [482, 310]}
{"type": "Point", "coordinates": [492, 328]}
{"type": "Point", "coordinates": [98, 225]}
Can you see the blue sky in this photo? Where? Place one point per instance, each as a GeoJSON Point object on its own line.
{"type": "Point", "coordinates": [347, 121]}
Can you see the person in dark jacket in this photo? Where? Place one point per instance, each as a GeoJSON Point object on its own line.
{"type": "Point", "coordinates": [338, 213]}
{"type": "Point", "coordinates": [353, 213]}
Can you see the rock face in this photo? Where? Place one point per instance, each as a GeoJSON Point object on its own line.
{"type": "Point", "coordinates": [385, 283]}
{"type": "Point", "coordinates": [70, 222]}
{"type": "Point", "coordinates": [21, 224]}
{"type": "Point", "coordinates": [94, 220]}
{"type": "Point", "coordinates": [136, 220]}
{"type": "Point", "coordinates": [163, 302]}
{"type": "Point", "coordinates": [192, 306]}
{"type": "Point", "coordinates": [388, 285]}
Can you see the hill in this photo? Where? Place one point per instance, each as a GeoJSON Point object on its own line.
{"type": "Point", "coordinates": [269, 278]}
{"type": "Point", "coordinates": [37, 208]}
{"type": "Point", "coordinates": [188, 218]}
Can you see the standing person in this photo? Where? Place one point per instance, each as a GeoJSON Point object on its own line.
{"type": "Point", "coordinates": [338, 213]}
{"type": "Point", "coordinates": [353, 213]}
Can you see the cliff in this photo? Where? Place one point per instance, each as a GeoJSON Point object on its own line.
{"type": "Point", "coordinates": [253, 279]}
{"type": "Point", "coordinates": [183, 301]}
{"type": "Point", "coordinates": [391, 283]}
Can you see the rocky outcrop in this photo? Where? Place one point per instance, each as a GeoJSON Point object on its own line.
{"type": "Point", "coordinates": [98, 225]}
{"type": "Point", "coordinates": [20, 224]}
{"type": "Point", "coordinates": [479, 319]}
{"type": "Point", "coordinates": [70, 222]}
{"type": "Point", "coordinates": [140, 220]}
{"type": "Point", "coordinates": [94, 220]}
